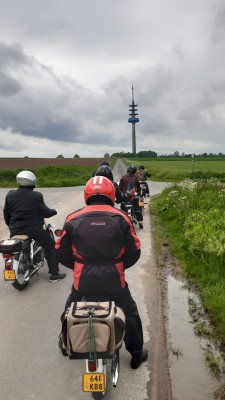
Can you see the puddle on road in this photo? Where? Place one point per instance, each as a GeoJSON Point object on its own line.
{"type": "Point", "coordinates": [190, 376]}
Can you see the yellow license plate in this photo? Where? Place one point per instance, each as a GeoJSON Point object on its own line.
{"type": "Point", "coordinates": [141, 203]}
{"type": "Point", "coordinates": [93, 382]}
{"type": "Point", "coordinates": [9, 275]}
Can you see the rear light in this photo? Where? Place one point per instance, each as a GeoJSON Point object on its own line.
{"type": "Point", "coordinates": [58, 232]}
{"type": "Point", "coordinates": [8, 260]}
{"type": "Point", "coordinates": [7, 256]}
{"type": "Point", "coordinates": [92, 365]}
{"type": "Point", "coordinates": [8, 264]}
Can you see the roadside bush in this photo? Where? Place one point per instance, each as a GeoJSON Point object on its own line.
{"type": "Point", "coordinates": [59, 176]}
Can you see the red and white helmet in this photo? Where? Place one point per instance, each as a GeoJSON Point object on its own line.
{"type": "Point", "coordinates": [99, 188]}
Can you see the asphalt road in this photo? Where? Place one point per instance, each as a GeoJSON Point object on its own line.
{"type": "Point", "coordinates": [31, 364]}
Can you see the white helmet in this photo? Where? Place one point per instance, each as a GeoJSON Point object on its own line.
{"type": "Point", "coordinates": [26, 178]}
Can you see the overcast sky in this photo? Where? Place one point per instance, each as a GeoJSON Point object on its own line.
{"type": "Point", "coordinates": [67, 68]}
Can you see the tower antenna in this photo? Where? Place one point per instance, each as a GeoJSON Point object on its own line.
{"type": "Point", "coordinates": [133, 120]}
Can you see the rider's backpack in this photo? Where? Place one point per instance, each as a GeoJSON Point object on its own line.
{"type": "Point", "coordinates": [141, 174]}
{"type": "Point", "coordinates": [130, 186]}
{"type": "Point", "coordinates": [131, 190]}
{"type": "Point", "coordinates": [94, 328]}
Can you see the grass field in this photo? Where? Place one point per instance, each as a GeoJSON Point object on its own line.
{"type": "Point", "coordinates": [74, 172]}
{"type": "Point", "coordinates": [51, 172]}
{"type": "Point", "coordinates": [178, 169]}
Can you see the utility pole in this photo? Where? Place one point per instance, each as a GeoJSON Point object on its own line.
{"type": "Point", "coordinates": [133, 120]}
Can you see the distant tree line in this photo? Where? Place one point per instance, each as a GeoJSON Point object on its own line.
{"type": "Point", "coordinates": [141, 154]}
{"type": "Point", "coordinates": [61, 156]}
{"type": "Point", "coordinates": [176, 154]}
{"type": "Point", "coordinates": [153, 154]}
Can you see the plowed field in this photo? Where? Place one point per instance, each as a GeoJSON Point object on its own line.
{"type": "Point", "coordinates": [33, 163]}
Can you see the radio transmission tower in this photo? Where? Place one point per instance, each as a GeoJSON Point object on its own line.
{"type": "Point", "coordinates": [133, 120]}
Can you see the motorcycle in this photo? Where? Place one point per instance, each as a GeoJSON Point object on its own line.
{"type": "Point", "coordinates": [133, 208]}
{"type": "Point", "coordinates": [95, 377]}
{"type": "Point", "coordinates": [23, 258]}
{"type": "Point", "coordinates": [129, 210]}
{"type": "Point", "coordinates": [142, 196]}
{"type": "Point", "coordinates": [144, 187]}
{"type": "Point", "coordinates": [83, 337]}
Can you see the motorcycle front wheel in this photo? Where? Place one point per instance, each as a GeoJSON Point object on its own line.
{"type": "Point", "coordinates": [21, 281]}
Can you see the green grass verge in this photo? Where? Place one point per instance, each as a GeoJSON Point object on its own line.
{"type": "Point", "coordinates": [60, 176]}
{"type": "Point", "coordinates": [173, 170]}
{"type": "Point", "coordinates": [191, 215]}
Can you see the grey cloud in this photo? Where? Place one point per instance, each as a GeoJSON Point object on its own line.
{"type": "Point", "coordinates": [8, 85]}
{"type": "Point", "coordinates": [178, 95]}
{"type": "Point", "coordinates": [218, 28]}
{"type": "Point", "coordinates": [16, 146]}
{"type": "Point", "coordinates": [89, 29]}
{"type": "Point", "coordinates": [11, 56]}
{"type": "Point", "coordinates": [11, 59]}
{"type": "Point", "coordinates": [157, 82]}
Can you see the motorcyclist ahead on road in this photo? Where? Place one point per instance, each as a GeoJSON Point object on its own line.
{"type": "Point", "coordinates": [24, 212]}
{"type": "Point", "coordinates": [130, 182]}
{"type": "Point", "coordinates": [99, 243]}
{"type": "Point", "coordinates": [142, 175]}
{"type": "Point", "coordinates": [106, 171]}
{"type": "Point", "coordinates": [100, 165]}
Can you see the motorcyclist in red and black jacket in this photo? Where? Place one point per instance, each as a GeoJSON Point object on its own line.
{"type": "Point", "coordinates": [99, 243]}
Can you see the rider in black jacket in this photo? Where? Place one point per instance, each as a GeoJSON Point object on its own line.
{"type": "Point", "coordinates": [105, 170]}
{"type": "Point", "coordinates": [24, 213]}
{"type": "Point", "coordinates": [99, 243]}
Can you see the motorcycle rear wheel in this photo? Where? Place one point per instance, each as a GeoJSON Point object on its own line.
{"type": "Point", "coordinates": [21, 283]}
{"type": "Point", "coordinates": [141, 225]}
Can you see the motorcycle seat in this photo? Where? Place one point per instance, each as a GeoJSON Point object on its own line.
{"type": "Point", "coordinates": [21, 237]}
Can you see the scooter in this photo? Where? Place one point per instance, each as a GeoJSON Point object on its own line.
{"type": "Point", "coordinates": [143, 185]}
{"type": "Point", "coordinates": [23, 257]}
{"type": "Point", "coordinates": [93, 330]}
{"type": "Point", "coordinates": [133, 213]}
{"type": "Point", "coordinates": [95, 377]}
{"type": "Point", "coordinates": [129, 209]}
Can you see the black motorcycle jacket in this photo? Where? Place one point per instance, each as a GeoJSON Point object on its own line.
{"type": "Point", "coordinates": [25, 209]}
{"type": "Point", "coordinates": [98, 242]}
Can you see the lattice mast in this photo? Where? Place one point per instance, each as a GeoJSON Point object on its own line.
{"type": "Point", "coordinates": [133, 120]}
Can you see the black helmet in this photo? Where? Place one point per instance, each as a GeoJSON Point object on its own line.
{"type": "Point", "coordinates": [141, 167]}
{"type": "Point", "coordinates": [104, 163]}
{"type": "Point", "coordinates": [132, 169]}
{"type": "Point", "coordinates": [104, 170]}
